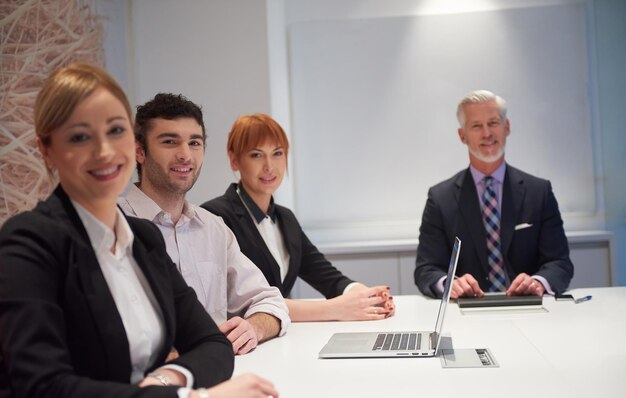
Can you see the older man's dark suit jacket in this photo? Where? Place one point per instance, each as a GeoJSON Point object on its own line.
{"type": "Point", "coordinates": [452, 209]}
{"type": "Point", "coordinates": [305, 260]}
{"type": "Point", "coordinates": [61, 334]}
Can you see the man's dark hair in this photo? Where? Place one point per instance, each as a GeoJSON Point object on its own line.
{"type": "Point", "coordinates": [164, 106]}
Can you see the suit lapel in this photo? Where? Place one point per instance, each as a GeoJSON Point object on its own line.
{"type": "Point", "coordinates": [100, 301]}
{"type": "Point", "coordinates": [513, 192]}
{"type": "Point", "coordinates": [154, 269]}
{"type": "Point", "coordinates": [468, 203]}
{"type": "Point", "coordinates": [245, 219]}
{"type": "Point", "coordinates": [288, 230]}
{"type": "Point", "coordinates": [95, 289]}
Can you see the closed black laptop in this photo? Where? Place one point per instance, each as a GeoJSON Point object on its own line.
{"type": "Point", "coordinates": [499, 300]}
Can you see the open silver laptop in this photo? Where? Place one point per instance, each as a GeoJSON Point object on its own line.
{"type": "Point", "coordinates": [394, 344]}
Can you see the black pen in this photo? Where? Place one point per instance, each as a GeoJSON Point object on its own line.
{"type": "Point", "coordinates": [582, 299]}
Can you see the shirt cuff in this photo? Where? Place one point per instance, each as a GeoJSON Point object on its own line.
{"type": "Point", "coordinates": [278, 313]}
{"type": "Point", "coordinates": [188, 376]}
{"type": "Point", "coordinates": [541, 279]}
{"type": "Point", "coordinates": [350, 286]}
{"type": "Point", "coordinates": [183, 392]}
{"type": "Point", "coordinates": [439, 284]}
{"type": "Point", "coordinates": [545, 284]}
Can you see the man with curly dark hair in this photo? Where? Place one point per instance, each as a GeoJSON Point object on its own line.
{"type": "Point", "coordinates": [170, 141]}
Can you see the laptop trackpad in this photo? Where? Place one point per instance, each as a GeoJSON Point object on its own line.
{"type": "Point", "coordinates": [350, 342]}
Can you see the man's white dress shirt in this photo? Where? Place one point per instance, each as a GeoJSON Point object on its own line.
{"type": "Point", "coordinates": [208, 256]}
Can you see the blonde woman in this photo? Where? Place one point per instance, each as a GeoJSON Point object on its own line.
{"type": "Point", "coordinates": [90, 303]}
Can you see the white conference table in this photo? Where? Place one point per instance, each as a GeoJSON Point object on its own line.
{"type": "Point", "coordinates": [570, 350]}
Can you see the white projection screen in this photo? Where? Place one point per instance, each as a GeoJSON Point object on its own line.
{"type": "Point", "coordinates": [373, 105]}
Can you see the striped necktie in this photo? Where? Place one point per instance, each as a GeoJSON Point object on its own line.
{"type": "Point", "coordinates": [491, 219]}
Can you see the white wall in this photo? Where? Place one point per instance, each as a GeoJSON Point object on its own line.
{"type": "Point", "coordinates": [213, 52]}
{"type": "Point", "coordinates": [610, 22]}
{"type": "Point", "coordinates": [232, 57]}
{"type": "Point", "coordinates": [373, 99]}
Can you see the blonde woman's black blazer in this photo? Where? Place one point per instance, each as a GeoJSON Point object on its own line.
{"type": "Point", "coordinates": [61, 334]}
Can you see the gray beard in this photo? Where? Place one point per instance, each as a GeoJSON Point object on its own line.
{"type": "Point", "coordinates": [488, 159]}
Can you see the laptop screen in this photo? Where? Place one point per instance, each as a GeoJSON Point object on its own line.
{"type": "Point", "coordinates": [454, 258]}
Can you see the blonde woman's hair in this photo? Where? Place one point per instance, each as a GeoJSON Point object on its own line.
{"type": "Point", "coordinates": [64, 90]}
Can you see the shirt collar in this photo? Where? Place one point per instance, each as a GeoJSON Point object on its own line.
{"type": "Point", "coordinates": [498, 175]}
{"type": "Point", "coordinates": [256, 211]}
{"type": "Point", "coordinates": [145, 207]}
{"type": "Point", "coordinates": [101, 236]}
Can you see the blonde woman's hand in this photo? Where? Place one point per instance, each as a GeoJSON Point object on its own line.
{"type": "Point", "coordinates": [247, 385]}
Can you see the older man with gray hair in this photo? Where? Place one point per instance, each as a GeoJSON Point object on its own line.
{"type": "Point", "coordinates": [508, 220]}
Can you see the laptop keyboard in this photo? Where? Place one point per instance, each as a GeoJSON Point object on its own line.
{"type": "Point", "coordinates": [397, 341]}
